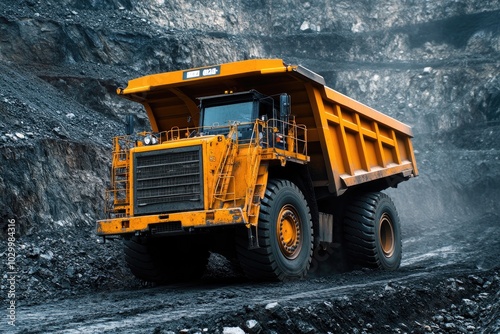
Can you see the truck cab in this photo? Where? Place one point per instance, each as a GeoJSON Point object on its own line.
{"type": "Point", "coordinates": [219, 112]}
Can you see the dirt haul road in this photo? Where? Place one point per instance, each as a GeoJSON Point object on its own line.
{"type": "Point", "coordinates": [449, 281]}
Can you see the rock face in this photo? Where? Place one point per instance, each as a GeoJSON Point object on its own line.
{"type": "Point", "coordinates": [434, 65]}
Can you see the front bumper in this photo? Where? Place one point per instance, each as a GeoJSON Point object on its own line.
{"type": "Point", "coordinates": [170, 223]}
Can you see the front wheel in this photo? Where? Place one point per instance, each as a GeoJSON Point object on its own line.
{"type": "Point", "coordinates": [372, 232]}
{"type": "Point", "coordinates": [285, 236]}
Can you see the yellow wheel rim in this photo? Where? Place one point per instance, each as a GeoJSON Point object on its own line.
{"type": "Point", "coordinates": [386, 235]}
{"type": "Point", "coordinates": [288, 232]}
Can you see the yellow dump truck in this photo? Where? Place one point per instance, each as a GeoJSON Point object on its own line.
{"type": "Point", "coordinates": [259, 161]}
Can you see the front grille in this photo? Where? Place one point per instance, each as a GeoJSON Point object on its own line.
{"type": "Point", "coordinates": [168, 180]}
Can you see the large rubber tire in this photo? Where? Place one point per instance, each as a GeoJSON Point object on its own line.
{"type": "Point", "coordinates": [372, 232]}
{"type": "Point", "coordinates": [285, 236]}
{"type": "Point", "coordinates": [165, 260]}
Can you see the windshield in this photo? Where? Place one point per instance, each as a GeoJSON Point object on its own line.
{"type": "Point", "coordinates": [223, 115]}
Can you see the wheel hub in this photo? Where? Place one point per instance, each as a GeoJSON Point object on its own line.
{"type": "Point", "coordinates": [288, 232]}
{"type": "Point", "coordinates": [386, 235]}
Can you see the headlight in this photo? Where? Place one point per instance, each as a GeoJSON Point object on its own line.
{"type": "Point", "coordinates": [150, 140]}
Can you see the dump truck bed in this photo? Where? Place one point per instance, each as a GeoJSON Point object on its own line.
{"type": "Point", "coordinates": [349, 143]}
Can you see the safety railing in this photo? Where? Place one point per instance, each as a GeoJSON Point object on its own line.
{"type": "Point", "coordinates": [276, 133]}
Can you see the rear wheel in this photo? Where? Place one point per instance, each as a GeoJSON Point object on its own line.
{"type": "Point", "coordinates": [372, 232]}
{"type": "Point", "coordinates": [165, 260]}
{"type": "Point", "coordinates": [285, 236]}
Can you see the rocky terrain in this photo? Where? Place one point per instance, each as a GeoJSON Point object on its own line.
{"type": "Point", "coordinates": [432, 64]}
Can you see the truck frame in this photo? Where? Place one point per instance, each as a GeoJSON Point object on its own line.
{"type": "Point", "coordinates": [257, 160]}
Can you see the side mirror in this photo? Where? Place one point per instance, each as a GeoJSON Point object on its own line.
{"type": "Point", "coordinates": [284, 107]}
{"type": "Point", "coordinates": [129, 124]}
